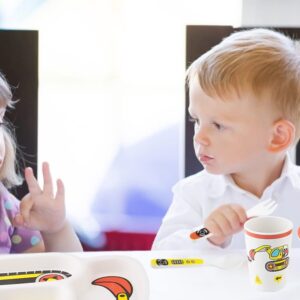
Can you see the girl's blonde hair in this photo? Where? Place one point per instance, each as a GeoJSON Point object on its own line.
{"type": "Point", "coordinates": [263, 62]}
{"type": "Point", "coordinates": [9, 175]}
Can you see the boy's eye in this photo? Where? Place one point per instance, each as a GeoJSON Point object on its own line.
{"type": "Point", "coordinates": [218, 126]}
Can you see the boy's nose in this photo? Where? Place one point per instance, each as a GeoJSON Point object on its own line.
{"type": "Point", "coordinates": [201, 137]}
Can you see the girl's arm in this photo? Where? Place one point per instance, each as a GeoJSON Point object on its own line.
{"type": "Point", "coordinates": [41, 210]}
{"type": "Point", "coordinates": [40, 247]}
{"type": "Point", "coordinates": [64, 240]}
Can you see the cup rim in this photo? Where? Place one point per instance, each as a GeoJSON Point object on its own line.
{"type": "Point", "coordinates": [267, 235]}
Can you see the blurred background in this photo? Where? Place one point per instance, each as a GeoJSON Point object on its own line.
{"type": "Point", "coordinates": [111, 104]}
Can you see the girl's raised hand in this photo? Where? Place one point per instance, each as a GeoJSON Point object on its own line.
{"type": "Point", "coordinates": [40, 209]}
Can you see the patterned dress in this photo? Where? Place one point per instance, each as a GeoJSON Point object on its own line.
{"type": "Point", "coordinates": [13, 239]}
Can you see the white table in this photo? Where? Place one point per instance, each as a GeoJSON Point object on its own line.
{"type": "Point", "coordinates": [209, 282]}
{"type": "Point", "coordinates": [206, 281]}
{"type": "Point", "coordinates": [165, 283]}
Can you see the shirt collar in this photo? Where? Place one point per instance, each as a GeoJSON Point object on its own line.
{"type": "Point", "coordinates": [289, 171]}
{"type": "Point", "coordinates": [223, 182]}
{"type": "Point", "coordinates": [219, 185]}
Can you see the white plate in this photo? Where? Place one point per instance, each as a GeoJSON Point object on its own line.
{"type": "Point", "coordinates": [122, 277]}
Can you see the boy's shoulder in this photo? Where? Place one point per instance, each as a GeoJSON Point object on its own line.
{"type": "Point", "coordinates": [202, 176]}
{"type": "Point", "coordinates": [200, 182]}
{"type": "Point", "coordinates": [296, 168]}
{"type": "Point", "coordinates": [294, 174]}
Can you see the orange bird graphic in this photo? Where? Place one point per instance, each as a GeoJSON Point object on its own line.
{"type": "Point", "coordinates": [120, 287]}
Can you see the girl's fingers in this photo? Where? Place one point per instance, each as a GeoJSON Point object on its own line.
{"type": "Point", "coordinates": [60, 193]}
{"type": "Point", "coordinates": [33, 185]}
{"type": "Point", "coordinates": [25, 208]}
{"type": "Point", "coordinates": [18, 220]}
{"type": "Point", "coordinates": [48, 185]}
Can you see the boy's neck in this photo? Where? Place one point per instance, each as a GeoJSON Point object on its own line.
{"type": "Point", "coordinates": [258, 182]}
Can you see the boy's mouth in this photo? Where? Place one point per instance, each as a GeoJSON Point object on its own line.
{"type": "Point", "coordinates": [205, 158]}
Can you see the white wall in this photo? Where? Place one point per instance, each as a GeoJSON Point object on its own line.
{"type": "Point", "coordinates": [273, 13]}
{"type": "Point", "coordinates": [283, 13]}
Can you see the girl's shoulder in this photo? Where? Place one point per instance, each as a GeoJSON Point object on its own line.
{"type": "Point", "coordinates": [8, 201]}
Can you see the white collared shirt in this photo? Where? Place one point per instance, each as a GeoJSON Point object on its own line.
{"type": "Point", "coordinates": [196, 196]}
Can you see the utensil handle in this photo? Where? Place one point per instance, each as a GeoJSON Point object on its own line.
{"type": "Point", "coordinates": [203, 232]}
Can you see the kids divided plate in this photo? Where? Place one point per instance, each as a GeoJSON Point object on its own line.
{"type": "Point", "coordinates": [56, 276]}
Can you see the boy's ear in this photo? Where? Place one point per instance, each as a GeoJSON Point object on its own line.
{"type": "Point", "coordinates": [283, 136]}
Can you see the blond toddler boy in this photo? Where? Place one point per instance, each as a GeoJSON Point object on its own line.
{"type": "Point", "coordinates": [244, 98]}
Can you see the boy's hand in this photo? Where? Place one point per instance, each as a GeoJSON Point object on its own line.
{"type": "Point", "coordinates": [40, 209]}
{"type": "Point", "coordinates": [224, 221]}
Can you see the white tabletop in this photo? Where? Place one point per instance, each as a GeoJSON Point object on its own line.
{"type": "Point", "coordinates": [222, 276]}
{"type": "Point", "coordinates": [207, 281]}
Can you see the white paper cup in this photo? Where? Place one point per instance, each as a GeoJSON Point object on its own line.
{"type": "Point", "coordinates": [268, 244]}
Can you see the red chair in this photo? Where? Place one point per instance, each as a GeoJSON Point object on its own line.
{"type": "Point", "coordinates": [123, 241]}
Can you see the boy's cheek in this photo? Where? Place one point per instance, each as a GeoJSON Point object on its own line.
{"type": "Point", "coordinates": [196, 148]}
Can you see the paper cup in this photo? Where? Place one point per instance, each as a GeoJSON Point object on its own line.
{"type": "Point", "coordinates": [268, 244]}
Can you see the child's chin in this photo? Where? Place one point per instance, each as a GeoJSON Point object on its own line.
{"type": "Point", "coordinates": [213, 171]}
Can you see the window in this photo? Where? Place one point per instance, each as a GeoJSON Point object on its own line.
{"type": "Point", "coordinates": [111, 101]}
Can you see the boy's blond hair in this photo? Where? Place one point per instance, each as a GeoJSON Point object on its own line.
{"type": "Point", "coordinates": [263, 62]}
{"type": "Point", "coordinates": [8, 173]}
